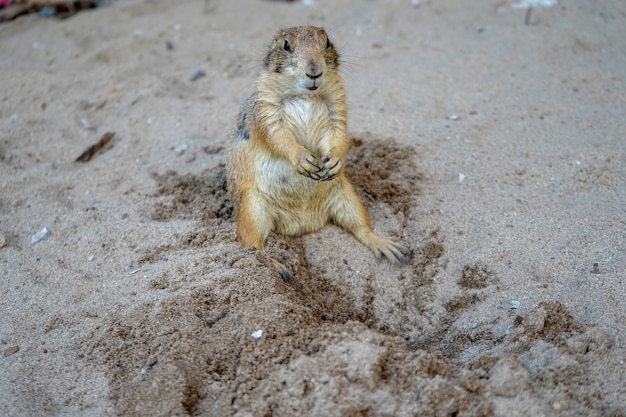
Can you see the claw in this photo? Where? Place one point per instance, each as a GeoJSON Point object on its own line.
{"type": "Point", "coordinates": [286, 275]}
{"type": "Point", "coordinates": [308, 165]}
{"type": "Point", "coordinates": [313, 176]}
{"type": "Point", "coordinates": [329, 168]}
{"type": "Point", "coordinates": [394, 251]}
{"type": "Point", "coordinates": [282, 270]}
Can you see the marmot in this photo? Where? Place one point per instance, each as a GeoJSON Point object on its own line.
{"type": "Point", "coordinates": [288, 148]}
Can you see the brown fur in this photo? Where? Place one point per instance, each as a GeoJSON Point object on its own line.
{"type": "Point", "coordinates": [288, 148]}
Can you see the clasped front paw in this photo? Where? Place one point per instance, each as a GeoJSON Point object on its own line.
{"type": "Point", "coordinates": [308, 165]}
{"type": "Point", "coordinates": [322, 169]}
{"type": "Point", "coordinates": [333, 166]}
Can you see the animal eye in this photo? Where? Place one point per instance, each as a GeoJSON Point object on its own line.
{"type": "Point", "coordinates": [328, 44]}
{"type": "Point", "coordinates": [287, 46]}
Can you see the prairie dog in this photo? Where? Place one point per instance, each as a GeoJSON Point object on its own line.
{"type": "Point", "coordinates": [288, 149]}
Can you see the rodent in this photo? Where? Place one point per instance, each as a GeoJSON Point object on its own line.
{"type": "Point", "coordinates": [288, 149]}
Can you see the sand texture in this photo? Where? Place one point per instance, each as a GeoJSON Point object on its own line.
{"type": "Point", "coordinates": [494, 149]}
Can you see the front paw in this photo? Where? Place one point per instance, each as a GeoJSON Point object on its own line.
{"type": "Point", "coordinates": [333, 166]}
{"type": "Point", "coordinates": [308, 165]}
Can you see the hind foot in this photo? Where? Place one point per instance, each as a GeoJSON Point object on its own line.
{"type": "Point", "coordinates": [282, 270]}
{"type": "Point", "coordinates": [391, 248]}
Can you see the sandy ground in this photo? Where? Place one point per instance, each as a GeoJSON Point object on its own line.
{"type": "Point", "coordinates": [495, 150]}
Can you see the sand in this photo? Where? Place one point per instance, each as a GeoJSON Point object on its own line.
{"type": "Point", "coordinates": [494, 149]}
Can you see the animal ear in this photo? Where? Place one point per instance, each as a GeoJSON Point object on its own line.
{"type": "Point", "coordinates": [287, 46]}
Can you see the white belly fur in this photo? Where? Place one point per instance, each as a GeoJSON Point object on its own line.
{"type": "Point", "coordinates": [308, 119]}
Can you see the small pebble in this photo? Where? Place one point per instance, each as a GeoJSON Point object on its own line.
{"type": "Point", "coordinates": [181, 148]}
{"type": "Point", "coordinates": [525, 4]}
{"type": "Point", "coordinates": [3, 241]}
{"type": "Point", "coordinates": [515, 304]}
{"type": "Point", "coordinates": [47, 11]}
{"type": "Point", "coordinates": [197, 75]}
{"type": "Point", "coordinates": [90, 258]}
{"type": "Point", "coordinates": [461, 177]}
{"type": "Point", "coordinates": [596, 268]}
{"type": "Point", "coordinates": [453, 117]}
{"type": "Point", "coordinates": [258, 334]}
{"type": "Point", "coordinates": [557, 407]}
{"type": "Point", "coordinates": [41, 235]}
{"type": "Point", "coordinates": [85, 123]}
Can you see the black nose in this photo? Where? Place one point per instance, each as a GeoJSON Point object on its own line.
{"type": "Point", "coordinates": [314, 70]}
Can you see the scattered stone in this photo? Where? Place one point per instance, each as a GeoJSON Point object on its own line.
{"type": "Point", "coordinates": [86, 124]}
{"type": "Point", "coordinates": [515, 304]}
{"type": "Point", "coordinates": [41, 235]}
{"type": "Point", "coordinates": [197, 75]}
{"type": "Point", "coordinates": [258, 334]}
{"type": "Point", "coordinates": [90, 258]}
{"type": "Point", "coordinates": [47, 11]}
{"type": "Point", "coordinates": [524, 4]}
{"type": "Point", "coordinates": [3, 241]}
{"type": "Point", "coordinates": [181, 148]}
{"type": "Point", "coordinates": [595, 270]}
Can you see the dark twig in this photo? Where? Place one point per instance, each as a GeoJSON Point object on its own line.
{"type": "Point", "coordinates": [527, 18]}
{"type": "Point", "coordinates": [93, 149]}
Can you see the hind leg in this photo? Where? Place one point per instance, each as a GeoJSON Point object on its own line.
{"type": "Point", "coordinates": [254, 224]}
{"type": "Point", "coordinates": [347, 211]}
